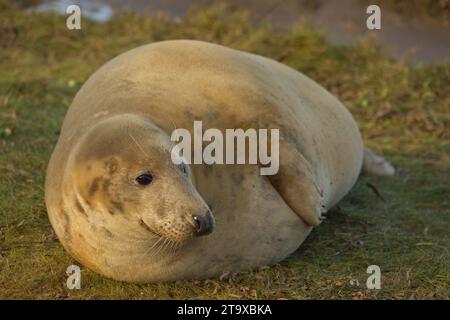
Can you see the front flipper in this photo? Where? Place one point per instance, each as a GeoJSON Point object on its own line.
{"type": "Point", "coordinates": [296, 184]}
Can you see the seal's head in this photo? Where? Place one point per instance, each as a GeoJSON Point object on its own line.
{"type": "Point", "coordinates": [123, 193]}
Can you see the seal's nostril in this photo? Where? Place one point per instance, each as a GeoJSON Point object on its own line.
{"type": "Point", "coordinates": [198, 222]}
{"type": "Point", "coordinates": [203, 224]}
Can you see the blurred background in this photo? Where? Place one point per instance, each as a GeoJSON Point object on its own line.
{"type": "Point", "coordinates": [415, 29]}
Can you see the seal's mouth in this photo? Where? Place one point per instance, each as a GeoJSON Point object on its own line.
{"type": "Point", "coordinates": [171, 238]}
{"type": "Point", "coordinates": [142, 222]}
{"type": "Point", "coordinates": [162, 244]}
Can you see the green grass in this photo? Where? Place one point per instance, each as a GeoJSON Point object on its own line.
{"type": "Point", "coordinates": [403, 113]}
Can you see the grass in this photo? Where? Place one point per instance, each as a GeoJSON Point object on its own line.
{"type": "Point", "coordinates": [403, 113]}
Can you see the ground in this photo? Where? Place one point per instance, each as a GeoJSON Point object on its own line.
{"type": "Point", "coordinates": [400, 223]}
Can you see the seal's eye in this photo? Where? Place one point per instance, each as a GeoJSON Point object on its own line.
{"type": "Point", "coordinates": [183, 167]}
{"type": "Point", "coordinates": [144, 179]}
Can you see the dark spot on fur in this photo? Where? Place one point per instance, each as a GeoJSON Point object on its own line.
{"type": "Point", "coordinates": [111, 165]}
{"type": "Point", "coordinates": [130, 200]}
{"type": "Point", "coordinates": [88, 168]}
{"type": "Point", "coordinates": [107, 232]}
{"type": "Point", "coordinates": [94, 187]}
{"type": "Point", "coordinates": [117, 206]}
{"type": "Point", "coordinates": [106, 184]}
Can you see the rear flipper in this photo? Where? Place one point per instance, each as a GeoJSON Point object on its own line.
{"type": "Point", "coordinates": [375, 165]}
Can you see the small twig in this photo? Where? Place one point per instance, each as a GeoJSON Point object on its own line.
{"type": "Point", "coordinates": [375, 190]}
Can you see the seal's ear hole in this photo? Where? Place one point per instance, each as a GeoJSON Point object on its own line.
{"type": "Point", "coordinates": [144, 179]}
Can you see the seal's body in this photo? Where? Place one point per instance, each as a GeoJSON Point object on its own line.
{"type": "Point", "coordinates": [121, 207]}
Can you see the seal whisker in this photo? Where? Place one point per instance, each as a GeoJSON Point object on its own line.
{"type": "Point", "coordinates": [139, 146]}
{"type": "Point", "coordinates": [171, 246]}
{"type": "Point", "coordinates": [164, 245]}
{"type": "Point", "coordinates": [175, 246]}
{"type": "Point", "coordinates": [153, 246]}
{"type": "Point", "coordinates": [168, 246]}
{"type": "Point", "coordinates": [171, 142]}
{"type": "Point", "coordinates": [174, 125]}
{"type": "Point", "coordinates": [160, 246]}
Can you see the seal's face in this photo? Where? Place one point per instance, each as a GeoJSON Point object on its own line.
{"type": "Point", "coordinates": [127, 181]}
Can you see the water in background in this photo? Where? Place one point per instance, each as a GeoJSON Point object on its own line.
{"type": "Point", "coordinates": [100, 11]}
{"type": "Point", "coordinates": [419, 39]}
